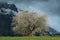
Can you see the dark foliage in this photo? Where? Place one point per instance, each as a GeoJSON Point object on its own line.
{"type": "Point", "coordinates": [5, 24]}
{"type": "Point", "coordinates": [8, 6]}
{"type": "Point", "coordinates": [6, 19]}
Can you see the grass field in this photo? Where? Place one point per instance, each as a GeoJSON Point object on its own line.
{"type": "Point", "coordinates": [31, 38]}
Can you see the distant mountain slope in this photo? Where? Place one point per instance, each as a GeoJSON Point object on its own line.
{"type": "Point", "coordinates": [52, 31]}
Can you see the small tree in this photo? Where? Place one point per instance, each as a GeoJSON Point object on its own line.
{"type": "Point", "coordinates": [26, 23]}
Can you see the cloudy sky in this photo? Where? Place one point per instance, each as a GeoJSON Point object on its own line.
{"type": "Point", "coordinates": [50, 7]}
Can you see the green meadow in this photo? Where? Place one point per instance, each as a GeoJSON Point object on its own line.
{"type": "Point", "coordinates": [31, 38]}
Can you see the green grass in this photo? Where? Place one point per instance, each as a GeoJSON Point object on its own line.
{"type": "Point", "coordinates": [31, 38]}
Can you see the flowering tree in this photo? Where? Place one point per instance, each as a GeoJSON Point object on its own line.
{"type": "Point", "coordinates": [27, 23]}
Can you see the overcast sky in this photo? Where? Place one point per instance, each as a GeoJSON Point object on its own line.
{"type": "Point", "coordinates": [50, 7]}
